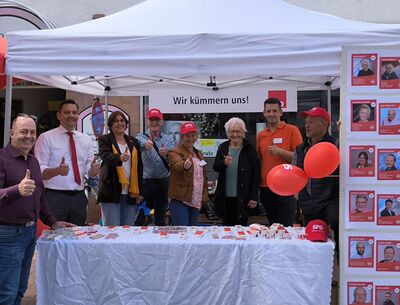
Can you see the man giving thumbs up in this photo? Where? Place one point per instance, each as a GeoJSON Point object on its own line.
{"type": "Point", "coordinates": [22, 203]}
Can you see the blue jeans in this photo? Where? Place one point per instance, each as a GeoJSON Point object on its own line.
{"type": "Point", "coordinates": [17, 245]}
{"type": "Point", "coordinates": [182, 214]}
{"type": "Point", "coordinates": [119, 214]}
{"type": "Point", "coordinates": [155, 192]}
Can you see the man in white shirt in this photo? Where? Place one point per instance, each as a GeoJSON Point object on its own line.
{"type": "Point", "coordinates": [391, 119]}
{"type": "Point", "coordinates": [65, 156]}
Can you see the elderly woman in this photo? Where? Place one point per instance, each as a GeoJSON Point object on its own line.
{"type": "Point", "coordinates": [363, 114]}
{"type": "Point", "coordinates": [239, 175]}
{"type": "Point", "coordinates": [188, 181]}
{"type": "Point", "coordinates": [121, 174]}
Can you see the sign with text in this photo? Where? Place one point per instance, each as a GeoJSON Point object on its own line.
{"type": "Point", "coordinates": [226, 100]}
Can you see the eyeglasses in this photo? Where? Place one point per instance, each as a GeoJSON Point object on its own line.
{"type": "Point", "coordinates": [24, 115]}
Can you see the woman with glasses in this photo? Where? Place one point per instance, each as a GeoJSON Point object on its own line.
{"type": "Point", "coordinates": [188, 181]}
{"type": "Point", "coordinates": [121, 174]}
{"type": "Point", "coordinates": [239, 175]}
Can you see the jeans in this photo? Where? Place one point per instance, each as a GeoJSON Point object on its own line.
{"type": "Point", "coordinates": [119, 214]}
{"type": "Point", "coordinates": [17, 245]}
{"type": "Point", "coordinates": [155, 193]}
{"type": "Point", "coordinates": [182, 214]}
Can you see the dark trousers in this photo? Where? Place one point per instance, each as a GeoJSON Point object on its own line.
{"type": "Point", "coordinates": [155, 193]}
{"type": "Point", "coordinates": [280, 209]}
{"type": "Point", "coordinates": [231, 215]}
{"type": "Point", "coordinates": [329, 214]}
{"type": "Point", "coordinates": [68, 205]}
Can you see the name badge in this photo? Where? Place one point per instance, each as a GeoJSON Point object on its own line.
{"type": "Point", "coordinates": [277, 141]}
{"type": "Point", "coordinates": [202, 163]}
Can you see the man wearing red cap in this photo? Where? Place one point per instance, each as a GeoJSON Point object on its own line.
{"type": "Point", "coordinates": [320, 198]}
{"type": "Point", "coordinates": [155, 146]}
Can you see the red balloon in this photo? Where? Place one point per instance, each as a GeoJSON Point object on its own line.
{"type": "Point", "coordinates": [40, 227]}
{"type": "Point", "coordinates": [321, 160]}
{"type": "Point", "coordinates": [286, 179]}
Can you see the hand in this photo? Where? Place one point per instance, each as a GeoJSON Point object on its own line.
{"type": "Point", "coordinates": [228, 160]}
{"type": "Point", "coordinates": [274, 150]}
{"type": "Point", "coordinates": [125, 156]}
{"type": "Point", "coordinates": [163, 150]}
{"type": "Point", "coordinates": [27, 186]}
{"type": "Point", "coordinates": [149, 143]}
{"type": "Point", "coordinates": [94, 167]}
{"type": "Point", "coordinates": [252, 204]}
{"type": "Point", "coordinates": [63, 167]}
{"type": "Point", "coordinates": [62, 224]}
{"type": "Point", "coordinates": [139, 199]}
{"type": "Point", "coordinates": [188, 163]}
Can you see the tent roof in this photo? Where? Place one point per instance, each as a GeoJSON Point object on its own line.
{"type": "Point", "coordinates": [192, 39]}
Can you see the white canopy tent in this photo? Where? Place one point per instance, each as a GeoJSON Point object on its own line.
{"type": "Point", "coordinates": [158, 42]}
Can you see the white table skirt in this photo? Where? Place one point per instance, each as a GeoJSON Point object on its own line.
{"type": "Point", "coordinates": [145, 269]}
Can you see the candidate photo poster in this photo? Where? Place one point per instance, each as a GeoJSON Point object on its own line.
{"type": "Point", "coordinates": [361, 252]}
{"type": "Point", "coordinates": [362, 161]}
{"type": "Point", "coordinates": [364, 67]}
{"type": "Point", "coordinates": [389, 164]}
{"type": "Point", "coordinates": [359, 293]}
{"type": "Point", "coordinates": [361, 207]}
{"type": "Point", "coordinates": [363, 115]}
{"type": "Point", "coordinates": [389, 118]}
{"type": "Point", "coordinates": [388, 209]}
{"type": "Point", "coordinates": [389, 73]}
{"type": "Point", "coordinates": [388, 255]}
{"type": "Point", "coordinates": [387, 295]}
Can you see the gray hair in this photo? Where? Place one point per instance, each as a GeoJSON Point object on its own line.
{"type": "Point", "coordinates": [365, 61]}
{"type": "Point", "coordinates": [235, 121]}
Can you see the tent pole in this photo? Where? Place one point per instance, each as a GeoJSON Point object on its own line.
{"type": "Point", "coordinates": [141, 113]}
{"type": "Point", "coordinates": [329, 104]}
{"type": "Point", "coordinates": [7, 112]}
{"type": "Point", "coordinates": [106, 106]}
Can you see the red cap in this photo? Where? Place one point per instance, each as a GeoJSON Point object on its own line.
{"type": "Point", "coordinates": [317, 230]}
{"type": "Point", "coordinates": [318, 112]}
{"type": "Point", "coordinates": [154, 113]}
{"type": "Point", "coordinates": [188, 127]}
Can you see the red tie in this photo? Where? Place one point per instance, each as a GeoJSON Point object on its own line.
{"type": "Point", "coordinates": [74, 158]}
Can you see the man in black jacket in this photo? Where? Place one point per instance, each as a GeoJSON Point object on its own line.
{"type": "Point", "coordinates": [320, 197]}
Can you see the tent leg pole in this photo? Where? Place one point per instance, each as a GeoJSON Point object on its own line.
{"type": "Point", "coordinates": [141, 111]}
{"type": "Point", "coordinates": [7, 112]}
{"type": "Point", "coordinates": [106, 109]}
{"type": "Point", "coordinates": [329, 104]}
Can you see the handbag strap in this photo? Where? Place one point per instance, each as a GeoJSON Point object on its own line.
{"type": "Point", "coordinates": [158, 152]}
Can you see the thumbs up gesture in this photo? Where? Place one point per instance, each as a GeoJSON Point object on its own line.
{"type": "Point", "coordinates": [149, 143]}
{"type": "Point", "coordinates": [94, 167]}
{"type": "Point", "coordinates": [228, 160]}
{"type": "Point", "coordinates": [125, 156]}
{"type": "Point", "coordinates": [63, 167]}
{"type": "Point", "coordinates": [163, 150]}
{"type": "Point", "coordinates": [27, 186]}
{"type": "Point", "coordinates": [188, 163]}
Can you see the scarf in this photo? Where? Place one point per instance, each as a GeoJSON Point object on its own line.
{"type": "Point", "coordinates": [134, 183]}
